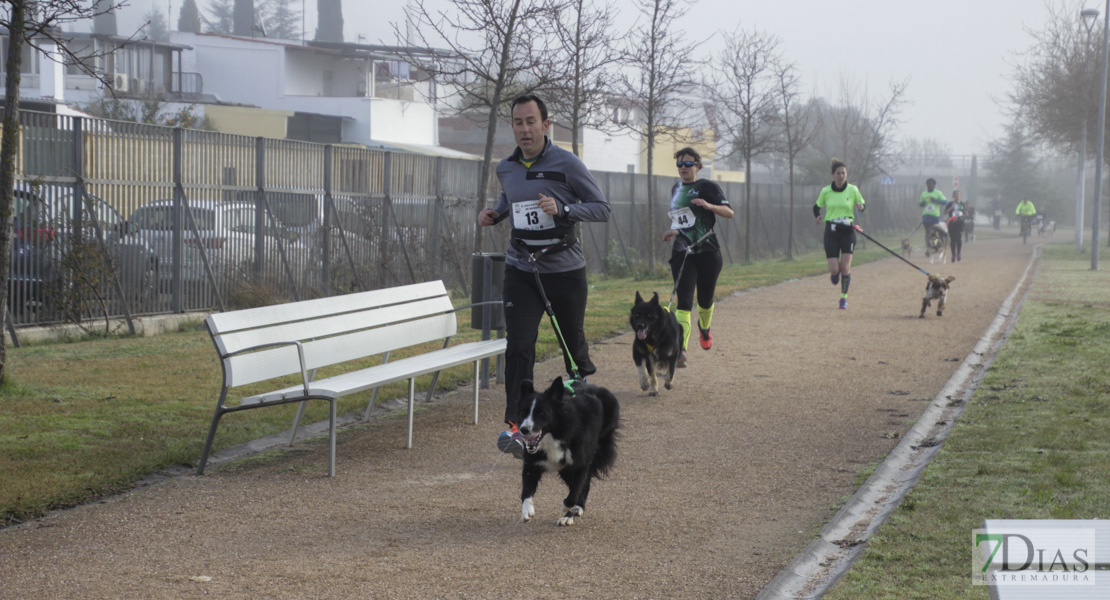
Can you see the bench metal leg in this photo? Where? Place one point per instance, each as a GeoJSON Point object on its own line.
{"type": "Point", "coordinates": [412, 402]}
{"type": "Point", "coordinates": [331, 442]}
{"type": "Point", "coordinates": [297, 421]}
{"type": "Point", "coordinates": [208, 442]}
{"type": "Point", "coordinates": [477, 367]}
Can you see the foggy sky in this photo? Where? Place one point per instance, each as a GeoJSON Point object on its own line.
{"type": "Point", "coordinates": [958, 54]}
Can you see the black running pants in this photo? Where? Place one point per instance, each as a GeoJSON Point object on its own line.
{"type": "Point", "coordinates": [524, 309]}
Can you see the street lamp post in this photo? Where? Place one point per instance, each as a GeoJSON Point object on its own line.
{"type": "Point", "coordinates": [1101, 138]}
{"type": "Point", "coordinates": [1089, 16]}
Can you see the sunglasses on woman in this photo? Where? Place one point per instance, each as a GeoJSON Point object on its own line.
{"type": "Point", "coordinates": [686, 163]}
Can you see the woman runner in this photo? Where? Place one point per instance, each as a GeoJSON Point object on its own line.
{"type": "Point", "coordinates": [695, 206]}
{"type": "Point", "coordinates": [839, 200]}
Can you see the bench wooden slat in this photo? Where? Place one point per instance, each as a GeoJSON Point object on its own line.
{"type": "Point", "coordinates": [406, 368]}
{"type": "Point", "coordinates": [310, 328]}
{"type": "Point", "coordinates": [253, 367]}
{"type": "Point", "coordinates": [283, 313]}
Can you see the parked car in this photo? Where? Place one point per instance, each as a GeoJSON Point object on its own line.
{"type": "Point", "coordinates": [226, 235]}
{"type": "Point", "coordinates": [43, 236]}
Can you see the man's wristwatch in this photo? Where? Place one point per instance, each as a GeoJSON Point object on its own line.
{"type": "Point", "coordinates": [565, 211]}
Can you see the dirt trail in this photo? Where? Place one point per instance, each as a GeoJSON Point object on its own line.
{"type": "Point", "coordinates": [718, 483]}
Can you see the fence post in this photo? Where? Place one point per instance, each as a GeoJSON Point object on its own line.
{"type": "Point", "coordinates": [387, 209]}
{"type": "Point", "coordinates": [436, 215]}
{"type": "Point", "coordinates": [259, 206]}
{"type": "Point", "coordinates": [325, 240]}
{"type": "Point", "coordinates": [178, 238]}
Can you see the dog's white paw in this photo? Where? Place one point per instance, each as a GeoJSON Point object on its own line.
{"type": "Point", "coordinates": [527, 510]}
{"type": "Point", "coordinates": [570, 513]}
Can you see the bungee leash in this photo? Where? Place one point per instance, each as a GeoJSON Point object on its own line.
{"type": "Point", "coordinates": [896, 255]}
{"type": "Point", "coordinates": [689, 251]}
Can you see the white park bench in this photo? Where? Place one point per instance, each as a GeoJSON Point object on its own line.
{"type": "Point", "coordinates": [297, 338]}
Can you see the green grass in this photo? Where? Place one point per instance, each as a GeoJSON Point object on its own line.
{"type": "Point", "coordinates": [91, 418]}
{"type": "Point", "coordinates": [1032, 444]}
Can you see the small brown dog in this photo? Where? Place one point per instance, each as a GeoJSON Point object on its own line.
{"type": "Point", "coordinates": [936, 289]}
{"type": "Point", "coordinates": [907, 249]}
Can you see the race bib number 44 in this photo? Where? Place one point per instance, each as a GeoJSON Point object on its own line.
{"type": "Point", "coordinates": [530, 217]}
{"type": "Point", "coordinates": [681, 218]}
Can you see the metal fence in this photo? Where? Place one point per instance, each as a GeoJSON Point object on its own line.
{"type": "Point", "coordinates": [117, 219]}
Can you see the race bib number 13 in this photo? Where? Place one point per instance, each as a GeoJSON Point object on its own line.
{"type": "Point", "coordinates": [530, 217]}
{"type": "Point", "coordinates": [681, 218]}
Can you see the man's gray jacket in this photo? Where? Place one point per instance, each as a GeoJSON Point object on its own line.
{"type": "Point", "coordinates": [561, 175]}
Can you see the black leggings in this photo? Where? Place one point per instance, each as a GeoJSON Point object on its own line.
{"type": "Point", "coordinates": [956, 237]}
{"type": "Point", "coordinates": [701, 272]}
{"type": "Point", "coordinates": [524, 310]}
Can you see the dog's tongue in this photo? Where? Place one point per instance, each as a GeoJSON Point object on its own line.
{"type": "Point", "coordinates": [641, 334]}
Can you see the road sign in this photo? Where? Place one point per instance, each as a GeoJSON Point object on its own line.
{"type": "Point", "coordinates": [955, 182]}
{"type": "Point", "coordinates": [886, 180]}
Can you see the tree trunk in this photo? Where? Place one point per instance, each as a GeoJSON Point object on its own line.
{"type": "Point", "coordinates": [9, 146]}
{"type": "Point", "coordinates": [790, 231]}
{"type": "Point", "coordinates": [491, 127]}
{"type": "Point", "coordinates": [747, 209]}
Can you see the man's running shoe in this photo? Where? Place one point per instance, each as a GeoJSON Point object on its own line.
{"type": "Point", "coordinates": [509, 441]}
{"type": "Point", "coordinates": [682, 360]}
{"type": "Point", "coordinates": [843, 304]}
{"type": "Point", "coordinates": [706, 338]}
{"type": "Point", "coordinates": [835, 278]}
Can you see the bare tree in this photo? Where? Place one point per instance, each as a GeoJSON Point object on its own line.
{"type": "Point", "coordinates": [860, 129]}
{"type": "Point", "coordinates": [743, 84]}
{"type": "Point", "coordinates": [881, 118]}
{"type": "Point", "coordinates": [926, 152]}
{"type": "Point", "coordinates": [586, 41]}
{"type": "Point", "coordinates": [797, 128]}
{"type": "Point", "coordinates": [38, 24]}
{"type": "Point", "coordinates": [1056, 85]}
{"type": "Point", "coordinates": [660, 60]}
{"type": "Point", "coordinates": [512, 58]}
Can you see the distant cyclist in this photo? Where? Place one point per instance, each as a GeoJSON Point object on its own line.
{"type": "Point", "coordinates": [1026, 211]}
{"type": "Point", "coordinates": [931, 202]}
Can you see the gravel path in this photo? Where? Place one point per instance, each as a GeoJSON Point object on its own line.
{"type": "Point", "coordinates": [718, 482]}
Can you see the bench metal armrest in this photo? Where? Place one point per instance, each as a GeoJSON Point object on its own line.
{"type": "Point", "coordinates": [300, 357]}
{"type": "Point", "coordinates": [473, 304]}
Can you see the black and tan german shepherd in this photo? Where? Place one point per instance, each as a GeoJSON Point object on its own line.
{"type": "Point", "coordinates": [658, 343]}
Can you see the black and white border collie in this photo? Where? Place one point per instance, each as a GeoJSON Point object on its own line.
{"type": "Point", "coordinates": [571, 429]}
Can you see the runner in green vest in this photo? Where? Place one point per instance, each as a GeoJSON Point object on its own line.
{"type": "Point", "coordinates": [839, 200]}
{"type": "Point", "coordinates": [931, 202]}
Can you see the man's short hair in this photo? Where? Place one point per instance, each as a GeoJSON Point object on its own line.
{"type": "Point", "coordinates": [930, 180]}
{"type": "Point", "coordinates": [530, 98]}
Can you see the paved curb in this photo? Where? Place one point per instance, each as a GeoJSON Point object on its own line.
{"type": "Point", "coordinates": [815, 570]}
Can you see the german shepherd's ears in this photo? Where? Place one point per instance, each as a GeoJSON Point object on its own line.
{"type": "Point", "coordinates": [950, 278]}
{"type": "Point", "coordinates": [639, 298]}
